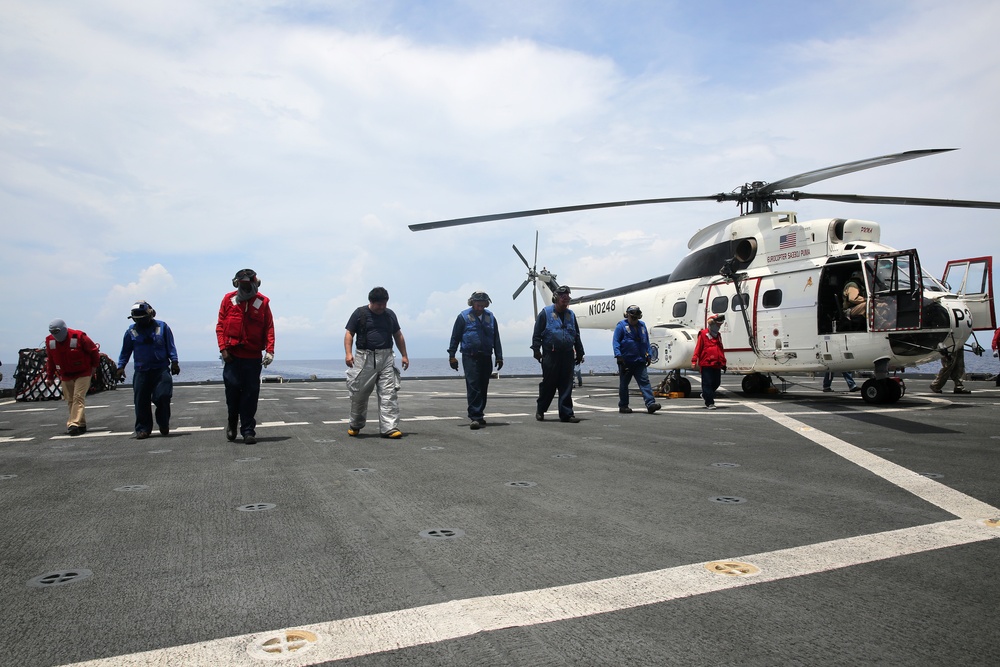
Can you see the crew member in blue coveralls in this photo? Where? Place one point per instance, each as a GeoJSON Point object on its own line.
{"type": "Point", "coordinates": [556, 344]}
{"type": "Point", "coordinates": [633, 354]}
{"type": "Point", "coordinates": [477, 332]}
{"type": "Point", "coordinates": [152, 342]}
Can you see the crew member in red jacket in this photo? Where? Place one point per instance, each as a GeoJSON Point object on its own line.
{"type": "Point", "coordinates": [245, 330]}
{"type": "Point", "coordinates": [71, 356]}
{"type": "Point", "coordinates": [711, 356]}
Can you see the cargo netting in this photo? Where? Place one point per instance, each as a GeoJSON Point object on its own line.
{"type": "Point", "coordinates": [30, 383]}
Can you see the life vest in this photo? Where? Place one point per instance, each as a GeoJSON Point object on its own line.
{"type": "Point", "coordinates": [154, 352]}
{"type": "Point", "coordinates": [243, 323]}
{"type": "Point", "coordinates": [633, 345]}
{"type": "Point", "coordinates": [560, 333]}
{"type": "Point", "coordinates": [69, 358]}
{"type": "Point", "coordinates": [479, 332]}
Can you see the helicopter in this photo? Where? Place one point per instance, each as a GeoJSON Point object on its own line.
{"type": "Point", "coordinates": [779, 280]}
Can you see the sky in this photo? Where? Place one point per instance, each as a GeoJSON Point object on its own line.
{"type": "Point", "coordinates": [150, 150]}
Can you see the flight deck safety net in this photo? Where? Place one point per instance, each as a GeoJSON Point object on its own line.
{"type": "Point", "coordinates": [30, 383]}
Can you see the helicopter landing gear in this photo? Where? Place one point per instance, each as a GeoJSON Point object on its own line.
{"type": "Point", "coordinates": [885, 390]}
{"type": "Point", "coordinates": [756, 383]}
{"type": "Point", "coordinates": [676, 383]}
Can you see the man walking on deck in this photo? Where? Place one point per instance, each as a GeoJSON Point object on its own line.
{"type": "Point", "coordinates": [477, 333]}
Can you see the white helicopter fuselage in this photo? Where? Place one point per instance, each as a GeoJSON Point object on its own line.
{"type": "Point", "coordinates": [781, 294]}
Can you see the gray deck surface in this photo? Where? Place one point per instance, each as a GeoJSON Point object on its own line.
{"type": "Point", "coordinates": [848, 534]}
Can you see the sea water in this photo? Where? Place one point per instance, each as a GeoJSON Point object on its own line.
{"type": "Point", "coordinates": [335, 369]}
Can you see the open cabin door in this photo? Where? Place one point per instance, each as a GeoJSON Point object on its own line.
{"type": "Point", "coordinates": [972, 279]}
{"type": "Point", "coordinates": [897, 292]}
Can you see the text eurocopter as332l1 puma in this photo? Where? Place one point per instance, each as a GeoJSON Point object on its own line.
{"type": "Point", "coordinates": [780, 282]}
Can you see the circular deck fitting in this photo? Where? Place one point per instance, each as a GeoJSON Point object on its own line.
{"type": "Point", "coordinates": [992, 523]}
{"type": "Point", "coordinates": [59, 578]}
{"type": "Point", "coordinates": [363, 470]}
{"type": "Point", "coordinates": [132, 487]}
{"type": "Point", "coordinates": [732, 568]}
{"type": "Point", "coordinates": [433, 448]}
{"type": "Point", "coordinates": [564, 456]}
{"type": "Point", "coordinates": [931, 475]}
{"type": "Point", "coordinates": [284, 645]}
{"type": "Point", "coordinates": [522, 485]}
{"type": "Point", "coordinates": [442, 533]}
{"type": "Point", "coordinates": [880, 449]}
{"type": "Point", "coordinates": [7, 476]}
{"type": "Point", "coordinates": [725, 465]}
{"type": "Point", "coordinates": [728, 500]}
{"type": "Point", "coordinates": [256, 507]}
{"type": "Point", "coordinates": [247, 459]}
{"type": "Point", "coordinates": [160, 451]}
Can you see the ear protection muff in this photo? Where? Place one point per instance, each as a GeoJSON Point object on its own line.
{"type": "Point", "coordinates": [559, 291]}
{"type": "Point", "coordinates": [246, 274]}
{"type": "Point", "coordinates": [143, 309]}
{"type": "Point", "coordinates": [480, 296]}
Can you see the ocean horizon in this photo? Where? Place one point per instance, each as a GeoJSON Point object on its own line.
{"type": "Point", "coordinates": [437, 367]}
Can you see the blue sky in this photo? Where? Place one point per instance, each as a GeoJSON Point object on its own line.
{"type": "Point", "coordinates": [150, 150]}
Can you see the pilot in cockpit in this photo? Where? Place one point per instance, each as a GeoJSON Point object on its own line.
{"type": "Point", "coordinates": [855, 300]}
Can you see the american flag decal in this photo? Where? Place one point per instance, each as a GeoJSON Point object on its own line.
{"type": "Point", "coordinates": [786, 241]}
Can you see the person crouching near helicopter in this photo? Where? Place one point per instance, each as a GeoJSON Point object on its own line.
{"type": "Point", "coordinates": [556, 344]}
{"type": "Point", "coordinates": [633, 354]}
{"type": "Point", "coordinates": [73, 357]}
{"type": "Point", "coordinates": [152, 342]}
{"type": "Point", "coordinates": [711, 356]}
{"type": "Point", "coordinates": [477, 332]}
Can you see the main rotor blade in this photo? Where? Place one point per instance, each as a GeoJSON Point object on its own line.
{"type": "Point", "coordinates": [808, 177]}
{"type": "Point", "coordinates": [520, 255]}
{"type": "Point", "coordinates": [901, 201]}
{"type": "Point", "coordinates": [536, 250]}
{"type": "Point", "coordinates": [534, 301]}
{"type": "Point", "coordinates": [521, 288]}
{"type": "Point", "coordinates": [422, 226]}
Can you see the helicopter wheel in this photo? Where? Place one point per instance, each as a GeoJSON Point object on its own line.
{"type": "Point", "coordinates": [756, 383]}
{"type": "Point", "coordinates": [879, 391]}
{"type": "Point", "coordinates": [680, 384]}
{"type": "Point", "coordinates": [895, 390]}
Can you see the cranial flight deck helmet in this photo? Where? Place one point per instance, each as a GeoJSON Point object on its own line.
{"type": "Point", "coordinates": [634, 310]}
{"type": "Point", "coordinates": [141, 310]}
{"type": "Point", "coordinates": [559, 291]}
{"type": "Point", "coordinates": [480, 296]}
{"type": "Point", "coordinates": [246, 274]}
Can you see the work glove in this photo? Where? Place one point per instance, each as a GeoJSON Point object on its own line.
{"type": "Point", "coordinates": [996, 353]}
{"type": "Point", "coordinates": [579, 360]}
{"type": "Point", "coordinates": [453, 362]}
{"type": "Point", "coordinates": [266, 361]}
{"type": "Point", "coordinates": [649, 360]}
{"type": "Point", "coordinates": [537, 352]}
{"type": "Point", "coordinates": [618, 360]}
{"type": "Point", "coordinates": [120, 374]}
{"type": "Point", "coordinates": [723, 369]}
{"type": "Point", "coordinates": [499, 364]}
{"type": "Point", "coordinates": [175, 368]}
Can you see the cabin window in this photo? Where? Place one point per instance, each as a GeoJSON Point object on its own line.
{"type": "Point", "coordinates": [741, 301]}
{"type": "Point", "coordinates": [720, 304]}
{"type": "Point", "coordinates": [680, 309]}
{"type": "Point", "coordinates": [771, 298]}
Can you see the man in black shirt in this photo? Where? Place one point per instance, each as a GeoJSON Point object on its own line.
{"type": "Point", "coordinates": [372, 329]}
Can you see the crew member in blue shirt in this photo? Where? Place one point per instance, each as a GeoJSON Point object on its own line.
{"type": "Point", "coordinates": [633, 354]}
{"type": "Point", "coordinates": [556, 344]}
{"type": "Point", "coordinates": [477, 333]}
{"type": "Point", "coordinates": [152, 343]}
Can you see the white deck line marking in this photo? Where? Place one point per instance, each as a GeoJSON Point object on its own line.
{"type": "Point", "coordinates": [927, 489]}
{"type": "Point", "coordinates": [376, 633]}
{"type": "Point", "coordinates": [10, 439]}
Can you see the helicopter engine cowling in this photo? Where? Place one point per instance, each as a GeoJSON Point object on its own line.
{"type": "Point", "coordinates": [672, 346]}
